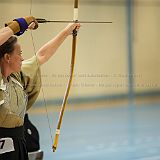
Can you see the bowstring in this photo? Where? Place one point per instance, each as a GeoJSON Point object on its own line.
{"type": "Point", "coordinates": [45, 103]}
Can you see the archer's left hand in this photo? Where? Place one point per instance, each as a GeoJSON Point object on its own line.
{"type": "Point", "coordinates": [71, 26]}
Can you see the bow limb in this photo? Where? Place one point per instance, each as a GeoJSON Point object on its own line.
{"type": "Point", "coordinates": [54, 147]}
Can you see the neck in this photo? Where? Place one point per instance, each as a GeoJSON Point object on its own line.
{"type": "Point", "coordinates": [5, 70]}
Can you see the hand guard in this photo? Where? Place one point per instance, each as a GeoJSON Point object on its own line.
{"type": "Point", "coordinates": [20, 25]}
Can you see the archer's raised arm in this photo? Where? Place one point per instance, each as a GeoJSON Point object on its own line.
{"type": "Point", "coordinates": [5, 34]}
{"type": "Point", "coordinates": [48, 50]}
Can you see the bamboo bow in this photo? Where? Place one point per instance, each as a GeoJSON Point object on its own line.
{"type": "Point", "coordinates": [54, 147]}
{"type": "Point", "coordinates": [74, 40]}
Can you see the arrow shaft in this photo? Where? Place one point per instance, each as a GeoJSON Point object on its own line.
{"type": "Point", "coordinates": [63, 21]}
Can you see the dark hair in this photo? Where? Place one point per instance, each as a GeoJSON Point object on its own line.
{"type": "Point", "coordinates": [8, 46]}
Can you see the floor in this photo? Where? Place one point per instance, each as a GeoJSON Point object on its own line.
{"type": "Point", "coordinates": [103, 133]}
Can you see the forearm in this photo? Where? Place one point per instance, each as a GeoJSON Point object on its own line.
{"type": "Point", "coordinates": [5, 34]}
{"type": "Point", "coordinates": [48, 50]}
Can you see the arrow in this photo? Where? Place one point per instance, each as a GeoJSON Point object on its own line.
{"type": "Point", "coordinates": [41, 20]}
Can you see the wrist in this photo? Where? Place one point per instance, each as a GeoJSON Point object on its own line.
{"type": "Point", "coordinates": [9, 30]}
{"type": "Point", "coordinates": [65, 33]}
{"type": "Point", "coordinates": [14, 26]}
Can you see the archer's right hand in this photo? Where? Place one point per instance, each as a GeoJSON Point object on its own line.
{"type": "Point", "coordinates": [20, 25]}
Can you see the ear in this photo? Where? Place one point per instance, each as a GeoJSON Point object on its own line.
{"type": "Point", "coordinates": [7, 57]}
